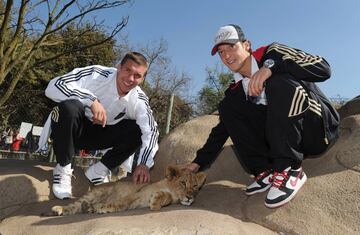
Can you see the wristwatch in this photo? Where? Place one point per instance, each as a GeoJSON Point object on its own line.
{"type": "Point", "coordinates": [269, 63]}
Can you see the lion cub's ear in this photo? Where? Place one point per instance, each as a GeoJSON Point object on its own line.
{"type": "Point", "coordinates": [200, 178]}
{"type": "Point", "coordinates": [172, 172]}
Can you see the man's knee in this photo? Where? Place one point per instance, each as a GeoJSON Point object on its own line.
{"type": "Point", "coordinates": [71, 109]}
{"type": "Point", "coordinates": [278, 83]}
{"type": "Point", "coordinates": [133, 130]}
{"type": "Point", "coordinates": [281, 89]}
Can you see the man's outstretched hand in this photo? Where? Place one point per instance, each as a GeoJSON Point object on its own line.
{"type": "Point", "coordinates": [141, 174]}
{"type": "Point", "coordinates": [193, 167]}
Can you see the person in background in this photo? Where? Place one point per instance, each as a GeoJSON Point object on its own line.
{"type": "Point", "coordinates": [17, 139]}
{"type": "Point", "coordinates": [9, 139]}
{"type": "Point", "coordinates": [3, 139]}
{"type": "Point", "coordinates": [30, 144]}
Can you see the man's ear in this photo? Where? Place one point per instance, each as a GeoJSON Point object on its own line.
{"type": "Point", "coordinates": [200, 178]}
{"type": "Point", "coordinates": [247, 45]}
{"type": "Point", "coordinates": [172, 172]}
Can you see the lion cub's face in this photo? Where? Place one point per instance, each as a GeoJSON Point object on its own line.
{"type": "Point", "coordinates": [185, 184]}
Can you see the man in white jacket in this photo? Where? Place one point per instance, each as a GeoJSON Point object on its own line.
{"type": "Point", "coordinates": [101, 108]}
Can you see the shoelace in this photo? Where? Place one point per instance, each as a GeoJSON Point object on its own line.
{"type": "Point", "coordinates": [64, 179]}
{"type": "Point", "coordinates": [262, 174]}
{"type": "Point", "coordinates": [279, 179]}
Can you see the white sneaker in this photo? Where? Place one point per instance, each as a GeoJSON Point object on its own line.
{"type": "Point", "coordinates": [261, 183]}
{"type": "Point", "coordinates": [284, 186]}
{"type": "Point", "coordinates": [62, 181]}
{"type": "Point", "coordinates": [98, 174]}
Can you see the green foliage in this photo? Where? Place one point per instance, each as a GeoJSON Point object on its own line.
{"type": "Point", "coordinates": [2, 8]}
{"type": "Point", "coordinates": [29, 39]}
{"type": "Point", "coordinates": [159, 102]}
{"type": "Point", "coordinates": [68, 39]}
{"type": "Point", "coordinates": [29, 93]}
{"type": "Point", "coordinates": [213, 92]}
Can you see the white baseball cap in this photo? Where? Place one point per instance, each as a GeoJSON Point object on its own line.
{"type": "Point", "coordinates": [227, 34]}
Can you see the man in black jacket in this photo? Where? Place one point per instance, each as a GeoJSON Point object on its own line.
{"type": "Point", "coordinates": [273, 112]}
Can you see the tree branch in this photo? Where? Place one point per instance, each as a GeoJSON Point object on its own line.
{"type": "Point", "coordinates": [117, 29]}
{"type": "Point", "coordinates": [97, 6]}
{"type": "Point", "coordinates": [4, 27]}
{"type": "Point", "coordinates": [16, 77]}
{"type": "Point", "coordinates": [18, 48]}
{"type": "Point", "coordinates": [19, 28]}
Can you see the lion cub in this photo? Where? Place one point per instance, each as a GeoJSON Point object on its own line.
{"type": "Point", "coordinates": [179, 185]}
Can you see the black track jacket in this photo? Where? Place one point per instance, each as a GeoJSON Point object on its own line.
{"type": "Point", "coordinates": [302, 66]}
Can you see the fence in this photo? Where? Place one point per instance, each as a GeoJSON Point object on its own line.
{"type": "Point", "coordinates": [47, 155]}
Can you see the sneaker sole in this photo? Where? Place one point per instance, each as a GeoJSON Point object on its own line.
{"type": "Point", "coordinates": [258, 191]}
{"type": "Point", "coordinates": [97, 182]}
{"type": "Point", "coordinates": [62, 198]}
{"type": "Point", "coordinates": [276, 205]}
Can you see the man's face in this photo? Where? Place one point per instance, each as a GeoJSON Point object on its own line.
{"type": "Point", "coordinates": [233, 55]}
{"type": "Point", "coordinates": [129, 75]}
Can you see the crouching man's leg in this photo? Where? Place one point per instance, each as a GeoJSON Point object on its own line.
{"type": "Point", "coordinates": [293, 117]}
{"type": "Point", "coordinates": [124, 138]}
{"type": "Point", "coordinates": [66, 124]}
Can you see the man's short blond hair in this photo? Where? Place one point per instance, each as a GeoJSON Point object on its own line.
{"type": "Point", "coordinates": [137, 57]}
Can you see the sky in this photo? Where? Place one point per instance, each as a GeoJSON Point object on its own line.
{"type": "Point", "coordinates": [329, 28]}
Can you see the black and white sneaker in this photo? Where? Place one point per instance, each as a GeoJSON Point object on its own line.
{"type": "Point", "coordinates": [62, 181]}
{"type": "Point", "coordinates": [261, 184]}
{"type": "Point", "coordinates": [284, 186]}
{"type": "Point", "coordinates": [98, 173]}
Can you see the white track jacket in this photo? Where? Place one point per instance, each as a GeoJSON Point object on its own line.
{"type": "Point", "coordinates": [99, 82]}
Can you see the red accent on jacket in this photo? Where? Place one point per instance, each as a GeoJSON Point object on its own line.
{"type": "Point", "coordinates": [258, 53]}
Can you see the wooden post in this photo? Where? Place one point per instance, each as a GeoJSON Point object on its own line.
{"type": "Point", "coordinates": [168, 114]}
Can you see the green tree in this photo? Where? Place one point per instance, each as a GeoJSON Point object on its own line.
{"type": "Point", "coordinates": [159, 99]}
{"type": "Point", "coordinates": [24, 34]}
{"type": "Point", "coordinates": [103, 54]}
{"type": "Point", "coordinates": [28, 102]}
{"type": "Point", "coordinates": [213, 92]}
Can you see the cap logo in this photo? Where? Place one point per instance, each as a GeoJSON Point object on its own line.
{"type": "Point", "coordinates": [222, 36]}
{"type": "Point", "coordinates": [227, 34]}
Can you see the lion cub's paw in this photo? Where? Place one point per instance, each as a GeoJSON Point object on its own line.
{"type": "Point", "coordinates": [187, 202]}
{"type": "Point", "coordinates": [154, 206]}
{"type": "Point", "coordinates": [57, 210]}
{"type": "Point", "coordinates": [104, 209]}
{"type": "Point", "coordinates": [159, 199]}
{"type": "Point", "coordinates": [155, 202]}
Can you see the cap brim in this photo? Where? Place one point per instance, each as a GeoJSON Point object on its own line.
{"type": "Point", "coordinates": [229, 41]}
{"type": "Point", "coordinates": [214, 50]}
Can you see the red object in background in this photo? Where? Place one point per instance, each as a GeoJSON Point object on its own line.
{"type": "Point", "coordinates": [84, 153]}
{"type": "Point", "coordinates": [16, 144]}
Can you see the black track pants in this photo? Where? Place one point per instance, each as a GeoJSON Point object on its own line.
{"type": "Point", "coordinates": [277, 135]}
{"type": "Point", "coordinates": [72, 130]}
